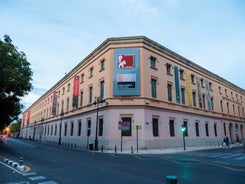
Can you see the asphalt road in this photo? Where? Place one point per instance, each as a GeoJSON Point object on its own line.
{"type": "Point", "coordinates": [48, 164]}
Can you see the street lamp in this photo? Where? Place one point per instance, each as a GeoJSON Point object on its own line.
{"type": "Point", "coordinates": [97, 101]}
{"type": "Point", "coordinates": [61, 116]}
{"type": "Point", "coordinates": [183, 129]}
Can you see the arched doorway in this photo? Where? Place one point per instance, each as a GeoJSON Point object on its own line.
{"type": "Point", "coordinates": [231, 131]}
{"type": "Point", "coordinates": [242, 132]}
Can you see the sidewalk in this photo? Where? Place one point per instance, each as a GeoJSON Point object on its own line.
{"type": "Point", "coordinates": [167, 150]}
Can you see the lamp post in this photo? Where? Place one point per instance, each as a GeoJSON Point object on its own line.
{"type": "Point", "coordinates": [97, 101]}
{"type": "Point", "coordinates": [61, 117]}
{"type": "Point", "coordinates": [183, 129]}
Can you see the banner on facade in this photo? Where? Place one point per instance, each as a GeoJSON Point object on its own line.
{"type": "Point", "coordinates": [208, 95]}
{"type": "Point", "coordinates": [199, 90]}
{"type": "Point", "coordinates": [126, 76]}
{"type": "Point", "coordinates": [28, 117]}
{"type": "Point", "coordinates": [54, 106]}
{"type": "Point", "coordinates": [75, 91]}
{"type": "Point", "coordinates": [189, 90]}
{"type": "Point", "coordinates": [177, 90]}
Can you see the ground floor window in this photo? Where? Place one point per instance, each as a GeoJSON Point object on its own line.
{"type": "Point", "coordinates": [197, 129]}
{"type": "Point", "coordinates": [186, 128]}
{"type": "Point", "coordinates": [101, 122]}
{"type": "Point", "coordinates": [206, 127]}
{"type": "Point", "coordinates": [171, 128]}
{"type": "Point", "coordinates": [215, 130]}
{"type": "Point", "coordinates": [155, 127]}
{"type": "Point", "coordinates": [127, 132]}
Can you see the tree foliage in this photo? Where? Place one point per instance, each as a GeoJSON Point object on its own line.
{"type": "Point", "coordinates": [15, 127]}
{"type": "Point", "coordinates": [15, 81]}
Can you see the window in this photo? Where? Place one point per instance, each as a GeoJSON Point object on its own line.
{"type": "Point", "coordinates": [215, 130]}
{"type": "Point", "coordinates": [153, 88]}
{"type": "Point", "coordinates": [221, 106]}
{"type": "Point", "coordinates": [88, 127]}
{"type": "Point", "coordinates": [202, 83]}
{"type": "Point", "coordinates": [81, 98]}
{"type": "Point", "coordinates": [186, 128]}
{"type": "Point", "coordinates": [153, 62]}
{"type": "Point", "coordinates": [102, 65]}
{"type": "Point", "coordinates": [102, 87]}
{"type": "Point", "coordinates": [79, 128]}
{"type": "Point", "coordinates": [197, 129]}
{"type": "Point", "coordinates": [63, 91]}
{"type": "Point", "coordinates": [127, 132]}
{"type": "Point", "coordinates": [232, 95]}
{"type": "Point", "coordinates": [68, 87]}
{"type": "Point", "coordinates": [65, 132]}
{"type": "Point", "coordinates": [82, 78]}
{"type": "Point", "coordinates": [101, 122]}
{"type": "Point", "coordinates": [233, 106]}
{"type": "Point", "coordinates": [206, 127]}
{"type": "Point", "coordinates": [55, 129]}
{"type": "Point", "coordinates": [51, 130]}
{"type": "Point", "coordinates": [90, 94]}
{"type": "Point", "coordinates": [238, 110]}
{"type": "Point", "coordinates": [72, 127]}
{"type": "Point", "coordinates": [155, 127]}
{"type": "Point", "coordinates": [183, 95]}
{"type": "Point", "coordinates": [181, 74]}
{"type": "Point", "coordinates": [228, 109]}
{"type": "Point", "coordinates": [224, 129]}
{"type": "Point", "coordinates": [212, 103]}
{"type": "Point", "coordinates": [192, 79]}
{"type": "Point", "coordinates": [220, 90]}
{"type": "Point", "coordinates": [67, 104]}
{"type": "Point", "coordinates": [168, 68]}
{"type": "Point", "coordinates": [91, 72]}
{"type": "Point", "coordinates": [170, 93]}
{"type": "Point", "coordinates": [226, 92]}
{"type": "Point", "coordinates": [171, 128]}
{"type": "Point", "coordinates": [210, 86]}
{"type": "Point", "coordinates": [204, 102]}
{"type": "Point", "coordinates": [194, 99]}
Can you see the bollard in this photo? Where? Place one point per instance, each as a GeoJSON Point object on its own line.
{"type": "Point", "coordinates": [132, 149]}
{"type": "Point", "coordinates": [102, 148]}
{"type": "Point", "coordinates": [21, 160]}
{"type": "Point", "coordinates": [115, 149]}
{"type": "Point", "coordinates": [171, 180]}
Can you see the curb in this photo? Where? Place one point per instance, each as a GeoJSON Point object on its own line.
{"type": "Point", "coordinates": [15, 165]}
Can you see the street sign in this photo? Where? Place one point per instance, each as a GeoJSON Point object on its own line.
{"type": "Point", "coordinates": [123, 125]}
{"type": "Point", "coordinates": [135, 127]}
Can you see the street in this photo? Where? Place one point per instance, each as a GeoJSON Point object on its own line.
{"type": "Point", "coordinates": [48, 164]}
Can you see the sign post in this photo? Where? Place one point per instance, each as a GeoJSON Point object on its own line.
{"type": "Point", "coordinates": [123, 125]}
{"type": "Point", "coordinates": [137, 128]}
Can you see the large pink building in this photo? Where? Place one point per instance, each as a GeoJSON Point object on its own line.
{"type": "Point", "coordinates": [133, 87]}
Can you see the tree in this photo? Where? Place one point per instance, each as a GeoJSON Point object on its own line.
{"type": "Point", "coordinates": [15, 127]}
{"type": "Point", "coordinates": [15, 81]}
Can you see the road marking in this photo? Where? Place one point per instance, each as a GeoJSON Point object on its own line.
{"type": "Point", "coordinates": [240, 158]}
{"type": "Point", "coordinates": [229, 156]}
{"type": "Point", "coordinates": [19, 182]}
{"type": "Point", "coordinates": [29, 174]}
{"type": "Point", "coordinates": [37, 178]}
{"type": "Point", "coordinates": [48, 182]}
{"type": "Point", "coordinates": [218, 155]}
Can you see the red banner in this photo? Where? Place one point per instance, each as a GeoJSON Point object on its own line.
{"type": "Point", "coordinates": [125, 61]}
{"type": "Point", "coordinates": [28, 117]}
{"type": "Point", "coordinates": [75, 91]}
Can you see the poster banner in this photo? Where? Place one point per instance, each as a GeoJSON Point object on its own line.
{"type": "Point", "coordinates": [54, 106]}
{"type": "Point", "coordinates": [23, 118]}
{"type": "Point", "coordinates": [208, 95]}
{"type": "Point", "coordinates": [28, 117]}
{"type": "Point", "coordinates": [189, 90]}
{"type": "Point", "coordinates": [126, 76]}
{"type": "Point", "coordinates": [75, 91]}
{"type": "Point", "coordinates": [177, 90]}
{"type": "Point", "coordinates": [199, 90]}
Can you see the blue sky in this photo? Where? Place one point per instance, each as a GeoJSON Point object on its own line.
{"type": "Point", "coordinates": [57, 34]}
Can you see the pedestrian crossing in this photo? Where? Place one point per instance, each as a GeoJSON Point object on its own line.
{"type": "Point", "coordinates": [220, 155]}
{"type": "Point", "coordinates": [33, 176]}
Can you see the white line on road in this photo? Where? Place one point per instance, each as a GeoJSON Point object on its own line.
{"type": "Point", "coordinates": [48, 182]}
{"type": "Point", "coordinates": [29, 174]}
{"type": "Point", "coordinates": [37, 178]}
{"type": "Point", "coordinates": [240, 158]}
{"type": "Point", "coordinates": [229, 156]}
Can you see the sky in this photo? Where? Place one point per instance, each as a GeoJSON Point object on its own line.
{"type": "Point", "coordinates": [56, 35]}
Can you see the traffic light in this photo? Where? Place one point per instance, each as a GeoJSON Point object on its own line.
{"type": "Point", "coordinates": [183, 128]}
